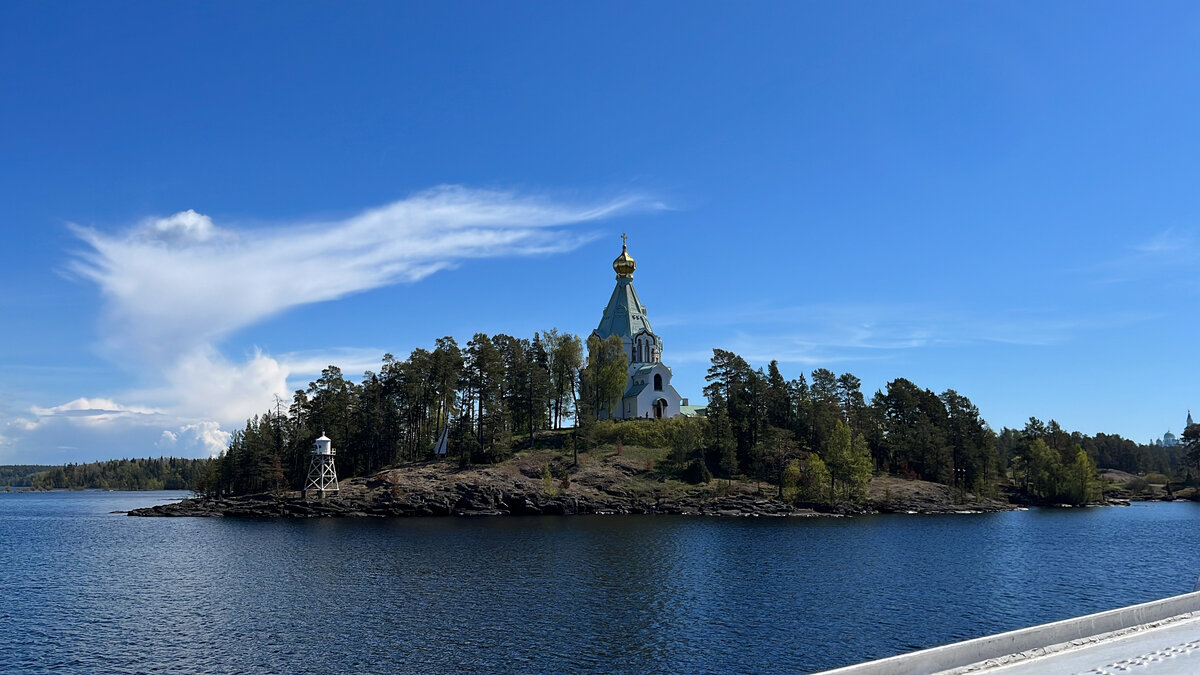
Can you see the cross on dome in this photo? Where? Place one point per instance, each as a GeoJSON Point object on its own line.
{"type": "Point", "coordinates": [624, 264]}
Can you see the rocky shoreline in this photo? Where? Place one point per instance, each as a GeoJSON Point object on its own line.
{"type": "Point", "coordinates": [616, 485]}
{"type": "Point", "coordinates": [470, 501]}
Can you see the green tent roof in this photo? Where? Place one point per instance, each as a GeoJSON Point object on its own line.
{"type": "Point", "coordinates": [625, 315]}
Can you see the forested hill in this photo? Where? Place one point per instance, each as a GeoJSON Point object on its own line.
{"type": "Point", "coordinates": [163, 473]}
{"type": "Point", "coordinates": [816, 434]}
{"type": "Point", "coordinates": [20, 475]}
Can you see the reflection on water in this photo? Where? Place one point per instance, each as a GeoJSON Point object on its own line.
{"type": "Point", "coordinates": [88, 591]}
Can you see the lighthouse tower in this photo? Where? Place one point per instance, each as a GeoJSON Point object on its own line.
{"type": "Point", "coordinates": [322, 474]}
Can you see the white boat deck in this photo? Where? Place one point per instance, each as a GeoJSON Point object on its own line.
{"type": "Point", "coordinates": [1171, 647]}
{"type": "Point", "coordinates": [1158, 638]}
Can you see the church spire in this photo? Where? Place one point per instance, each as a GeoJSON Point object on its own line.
{"type": "Point", "coordinates": [624, 264]}
{"type": "Point", "coordinates": [625, 315]}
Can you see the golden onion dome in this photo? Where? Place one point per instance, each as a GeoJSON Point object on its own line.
{"type": "Point", "coordinates": [624, 264]}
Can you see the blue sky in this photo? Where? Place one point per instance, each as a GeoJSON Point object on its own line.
{"type": "Point", "coordinates": [204, 203]}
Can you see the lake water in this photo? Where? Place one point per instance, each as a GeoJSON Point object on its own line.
{"type": "Point", "coordinates": [83, 590]}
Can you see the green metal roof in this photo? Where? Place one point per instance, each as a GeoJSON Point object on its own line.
{"type": "Point", "coordinates": [625, 315]}
{"type": "Point", "coordinates": [633, 390]}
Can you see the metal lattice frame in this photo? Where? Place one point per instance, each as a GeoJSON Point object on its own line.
{"type": "Point", "coordinates": [322, 475]}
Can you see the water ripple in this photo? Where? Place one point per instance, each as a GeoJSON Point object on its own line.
{"type": "Point", "coordinates": [87, 591]}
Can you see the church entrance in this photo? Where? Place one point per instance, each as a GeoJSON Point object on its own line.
{"type": "Point", "coordinates": [660, 408]}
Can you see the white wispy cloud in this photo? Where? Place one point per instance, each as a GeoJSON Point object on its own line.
{"type": "Point", "coordinates": [89, 411]}
{"type": "Point", "coordinates": [173, 286]}
{"type": "Point", "coordinates": [818, 335]}
{"type": "Point", "coordinates": [1156, 258]}
{"type": "Point", "coordinates": [353, 361]}
{"type": "Point", "coordinates": [173, 283]}
{"type": "Point", "coordinates": [1165, 242]}
{"type": "Point", "coordinates": [23, 424]}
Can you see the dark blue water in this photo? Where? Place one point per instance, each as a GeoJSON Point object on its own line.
{"type": "Point", "coordinates": [82, 590]}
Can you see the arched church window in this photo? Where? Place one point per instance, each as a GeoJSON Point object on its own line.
{"type": "Point", "coordinates": [658, 382]}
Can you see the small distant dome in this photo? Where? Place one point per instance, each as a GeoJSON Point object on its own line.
{"type": "Point", "coordinates": [323, 438]}
{"type": "Point", "coordinates": [624, 264]}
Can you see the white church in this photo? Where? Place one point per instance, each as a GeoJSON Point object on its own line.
{"type": "Point", "coordinates": [648, 390]}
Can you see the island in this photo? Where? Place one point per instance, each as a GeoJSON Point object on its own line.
{"type": "Point", "coordinates": [483, 430]}
{"type": "Point", "coordinates": [546, 482]}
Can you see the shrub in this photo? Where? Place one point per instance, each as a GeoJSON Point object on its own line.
{"type": "Point", "coordinates": [643, 433]}
{"type": "Point", "coordinates": [1138, 485]}
{"type": "Point", "coordinates": [548, 482]}
{"type": "Point", "coordinates": [697, 472]}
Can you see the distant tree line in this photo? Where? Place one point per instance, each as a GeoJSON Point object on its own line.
{"type": "Point", "coordinates": [163, 473]}
{"type": "Point", "coordinates": [21, 475]}
{"type": "Point", "coordinates": [1110, 451]}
